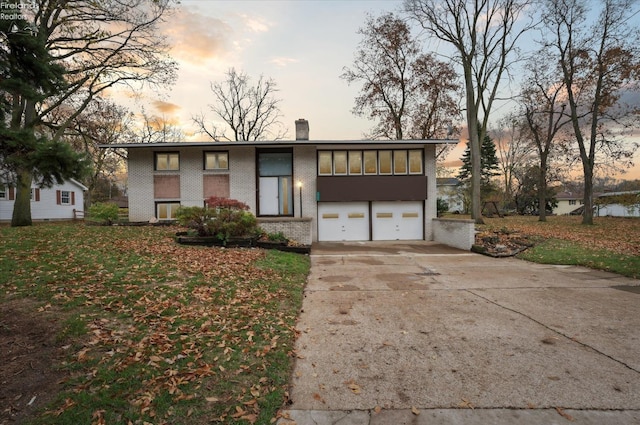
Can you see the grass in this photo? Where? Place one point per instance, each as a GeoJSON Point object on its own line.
{"type": "Point", "coordinates": [160, 333]}
{"type": "Point", "coordinates": [610, 244]}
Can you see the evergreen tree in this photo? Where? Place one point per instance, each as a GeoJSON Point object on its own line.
{"type": "Point", "coordinates": [488, 163]}
{"type": "Point", "coordinates": [54, 61]}
{"type": "Point", "coordinates": [27, 77]}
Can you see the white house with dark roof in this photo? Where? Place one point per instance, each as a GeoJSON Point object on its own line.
{"type": "Point", "coordinates": [323, 190]}
{"type": "Point", "coordinates": [59, 202]}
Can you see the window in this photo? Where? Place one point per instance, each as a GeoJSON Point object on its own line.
{"type": "Point", "coordinates": [400, 162]}
{"type": "Point", "coordinates": [216, 160]}
{"type": "Point", "coordinates": [324, 163]}
{"type": "Point", "coordinates": [275, 182]}
{"type": "Point", "coordinates": [572, 202]}
{"type": "Point", "coordinates": [64, 197]}
{"type": "Point", "coordinates": [355, 162]}
{"type": "Point", "coordinates": [370, 162]}
{"type": "Point", "coordinates": [384, 162]}
{"type": "Point", "coordinates": [167, 161]}
{"type": "Point", "coordinates": [3, 192]}
{"type": "Point", "coordinates": [415, 161]}
{"type": "Point", "coordinates": [166, 210]}
{"type": "Point", "coordinates": [340, 162]}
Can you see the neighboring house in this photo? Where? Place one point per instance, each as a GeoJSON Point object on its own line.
{"type": "Point", "coordinates": [568, 202]}
{"type": "Point", "coordinates": [618, 204]}
{"type": "Point", "coordinates": [310, 190]}
{"type": "Point", "coordinates": [450, 192]}
{"type": "Point", "coordinates": [58, 202]}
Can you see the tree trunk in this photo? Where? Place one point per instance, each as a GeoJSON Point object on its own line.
{"type": "Point", "coordinates": [542, 189]}
{"type": "Point", "coordinates": [474, 149]}
{"type": "Point", "coordinates": [22, 207]}
{"type": "Point", "coordinates": [587, 201]}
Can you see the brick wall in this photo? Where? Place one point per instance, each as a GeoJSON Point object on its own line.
{"type": "Point", "coordinates": [294, 228]}
{"type": "Point", "coordinates": [304, 170]}
{"type": "Point", "coordinates": [140, 184]}
{"type": "Point", "coordinates": [242, 176]}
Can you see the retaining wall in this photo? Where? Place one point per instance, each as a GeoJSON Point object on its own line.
{"type": "Point", "coordinates": [456, 233]}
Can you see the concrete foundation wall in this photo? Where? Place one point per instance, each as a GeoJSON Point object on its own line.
{"type": "Point", "coordinates": [456, 233]}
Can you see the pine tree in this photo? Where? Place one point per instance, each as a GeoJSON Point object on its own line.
{"type": "Point", "coordinates": [488, 162]}
{"type": "Point", "coordinates": [28, 77]}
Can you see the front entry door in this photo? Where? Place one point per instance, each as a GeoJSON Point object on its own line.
{"type": "Point", "coordinates": [269, 200]}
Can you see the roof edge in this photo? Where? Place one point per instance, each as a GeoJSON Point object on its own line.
{"type": "Point", "coordinates": [280, 143]}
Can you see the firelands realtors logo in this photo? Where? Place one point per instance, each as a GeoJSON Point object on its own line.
{"type": "Point", "coordinates": [16, 14]}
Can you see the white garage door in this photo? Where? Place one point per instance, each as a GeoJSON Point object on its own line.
{"type": "Point", "coordinates": [397, 221]}
{"type": "Point", "coordinates": [343, 221]}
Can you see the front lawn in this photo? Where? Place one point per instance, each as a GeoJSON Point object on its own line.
{"type": "Point", "coordinates": [152, 331]}
{"type": "Point", "coordinates": [611, 243]}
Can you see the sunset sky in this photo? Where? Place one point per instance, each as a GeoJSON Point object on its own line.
{"type": "Point", "coordinates": [302, 45]}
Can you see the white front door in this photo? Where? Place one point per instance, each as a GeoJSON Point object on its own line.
{"type": "Point", "coordinates": [343, 221]}
{"type": "Point", "coordinates": [269, 201]}
{"type": "Point", "coordinates": [397, 220]}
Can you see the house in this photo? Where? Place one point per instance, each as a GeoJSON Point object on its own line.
{"type": "Point", "coordinates": [618, 204]}
{"type": "Point", "coordinates": [311, 191]}
{"type": "Point", "coordinates": [59, 202]}
{"type": "Point", "coordinates": [568, 203]}
{"type": "Point", "coordinates": [450, 192]}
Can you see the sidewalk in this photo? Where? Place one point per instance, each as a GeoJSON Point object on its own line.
{"type": "Point", "coordinates": [418, 333]}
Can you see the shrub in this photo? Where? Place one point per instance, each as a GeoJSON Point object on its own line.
{"type": "Point", "coordinates": [442, 206]}
{"type": "Point", "coordinates": [196, 218]}
{"type": "Point", "coordinates": [222, 218]}
{"type": "Point", "coordinates": [232, 204]}
{"type": "Point", "coordinates": [104, 212]}
{"type": "Point", "coordinates": [276, 237]}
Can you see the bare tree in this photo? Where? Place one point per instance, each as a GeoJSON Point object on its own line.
{"type": "Point", "coordinates": [408, 93]}
{"type": "Point", "coordinates": [74, 50]}
{"type": "Point", "coordinates": [598, 62]}
{"type": "Point", "coordinates": [543, 103]}
{"type": "Point", "coordinates": [514, 151]}
{"type": "Point", "coordinates": [157, 129]}
{"type": "Point", "coordinates": [484, 34]}
{"type": "Point", "coordinates": [251, 112]}
{"type": "Point", "coordinates": [101, 123]}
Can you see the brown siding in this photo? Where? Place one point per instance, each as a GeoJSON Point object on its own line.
{"type": "Point", "coordinates": [371, 188]}
{"type": "Point", "coordinates": [166, 187]}
{"type": "Point", "coordinates": [216, 185]}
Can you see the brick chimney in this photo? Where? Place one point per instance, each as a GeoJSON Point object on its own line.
{"type": "Point", "coordinates": [302, 129]}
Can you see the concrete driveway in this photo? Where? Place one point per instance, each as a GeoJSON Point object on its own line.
{"type": "Point", "coordinates": [418, 333]}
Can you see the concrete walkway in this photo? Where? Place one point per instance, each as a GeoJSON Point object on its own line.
{"type": "Point", "coordinates": [418, 333]}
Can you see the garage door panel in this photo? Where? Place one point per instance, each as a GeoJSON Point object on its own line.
{"type": "Point", "coordinates": [343, 221]}
{"type": "Point", "coordinates": [397, 220]}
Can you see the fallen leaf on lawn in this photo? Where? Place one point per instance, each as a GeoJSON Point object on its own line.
{"type": "Point", "coordinates": [415, 410]}
{"type": "Point", "coordinates": [212, 399]}
{"type": "Point", "coordinates": [82, 355]}
{"type": "Point", "coordinates": [252, 418]}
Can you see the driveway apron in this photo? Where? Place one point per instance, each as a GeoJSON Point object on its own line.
{"type": "Point", "coordinates": [415, 332]}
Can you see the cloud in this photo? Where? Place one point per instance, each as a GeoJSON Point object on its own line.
{"type": "Point", "coordinates": [165, 107]}
{"type": "Point", "coordinates": [255, 24]}
{"type": "Point", "coordinates": [281, 62]}
{"type": "Point", "coordinates": [196, 37]}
